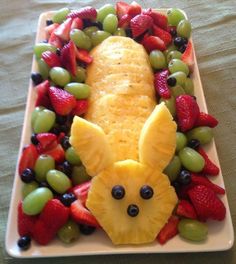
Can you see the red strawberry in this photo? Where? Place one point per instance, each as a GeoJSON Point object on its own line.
{"type": "Point", "coordinates": [205, 119]}
{"type": "Point", "coordinates": [54, 214]}
{"type": "Point", "coordinates": [159, 19]}
{"type": "Point", "coordinates": [57, 153]}
{"type": "Point", "coordinates": [68, 57]}
{"type": "Point", "coordinates": [160, 84]}
{"type": "Point", "coordinates": [202, 180]}
{"type": "Point", "coordinates": [84, 56]}
{"type": "Point", "coordinates": [80, 108]}
{"type": "Point", "coordinates": [139, 24]}
{"type": "Point", "coordinates": [81, 191]}
{"type": "Point", "coordinates": [188, 56]}
{"type": "Point", "coordinates": [153, 43]}
{"type": "Point", "coordinates": [162, 34]}
{"type": "Point", "coordinates": [55, 40]}
{"type": "Point", "coordinates": [63, 31]}
{"type": "Point", "coordinates": [51, 58]}
{"type": "Point", "coordinates": [25, 223]}
{"type": "Point", "coordinates": [87, 12]}
{"type": "Point", "coordinates": [124, 21]}
{"type": "Point", "coordinates": [134, 9]}
{"type": "Point", "coordinates": [210, 168]}
{"type": "Point", "coordinates": [206, 203]}
{"type": "Point", "coordinates": [169, 230]}
{"type": "Point", "coordinates": [187, 112]}
{"type": "Point", "coordinates": [42, 92]}
{"type": "Point", "coordinates": [77, 23]}
{"type": "Point", "coordinates": [62, 101]}
{"type": "Point", "coordinates": [186, 209]}
{"type": "Point", "coordinates": [82, 215]}
{"type": "Point", "coordinates": [28, 158]}
{"type": "Point", "coordinates": [42, 234]}
{"type": "Point", "coordinates": [49, 29]}
{"type": "Point", "coordinates": [121, 9]}
{"type": "Point", "coordinates": [46, 141]}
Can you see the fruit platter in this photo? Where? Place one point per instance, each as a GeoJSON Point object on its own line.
{"type": "Point", "coordinates": [117, 154]}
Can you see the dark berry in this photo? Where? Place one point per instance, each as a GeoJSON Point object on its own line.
{"type": "Point", "coordinates": [146, 192]}
{"type": "Point", "coordinates": [179, 41]}
{"type": "Point", "coordinates": [65, 142]}
{"type": "Point", "coordinates": [45, 41]}
{"type": "Point", "coordinates": [171, 81]}
{"type": "Point", "coordinates": [24, 242]}
{"type": "Point", "coordinates": [118, 192]}
{"type": "Point", "coordinates": [36, 78]}
{"type": "Point", "coordinates": [58, 52]}
{"type": "Point", "coordinates": [27, 175]}
{"type": "Point", "coordinates": [67, 199]}
{"type": "Point", "coordinates": [173, 32]}
{"type": "Point", "coordinates": [132, 210]}
{"type": "Point", "coordinates": [67, 168]}
{"type": "Point", "coordinates": [176, 185]}
{"type": "Point", "coordinates": [182, 48]}
{"type": "Point", "coordinates": [86, 229]}
{"type": "Point", "coordinates": [184, 177]}
{"type": "Point", "coordinates": [128, 32]}
{"type": "Point", "coordinates": [194, 143]}
{"type": "Point", "coordinates": [49, 22]}
{"type": "Point", "coordinates": [34, 139]}
{"type": "Point", "coordinates": [61, 120]}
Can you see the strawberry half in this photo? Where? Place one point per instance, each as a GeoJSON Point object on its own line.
{"type": "Point", "coordinates": [46, 141]}
{"type": "Point", "coordinates": [49, 29]}
{"type": "Point", "coordinates": [81, 191]}
{"type": "Point", "coordinates": [51, 58]}
{"type": "Point", "coordinates": [84, 56]}
{"type": "Point", "coordinates": [187, 112]}
{"type": "Point", "coordinates": [55, 41]}
{"type": "Point", "coordinates": [77, 23]}
{"type": "Point", "coordinates": [121, 9]}
{"type": "Point", "coordinates": [81, 107]}
{"type": "Point", "coordinates": [57, 153]}
{"type": "Point", "coordinates": [87, 12]}
{"type": "Point", "coordinates": [159, 19]}
{"type": "Point", "coordinates": [63, 31]}
{"type": "Point", "coordinates": [42, 234]}
{"type": "Point", "coordinates": [42, 94]}
{"type": "Point", "coordinates": [205, 119]}
{"type": "Point", "coordinates": [139, 24]}
{"type": "Point", "coordinates": [124, 21]}
{"type": "Point", "coordinates": [62, 101]}
{"type": "Point", "coordinates": [186, 209]}
{"type": "Point", "coordinates": [162, 34]}
{"type": "Point", "coordinates": [153, 43]}
{"type": "Point", "coordinates": [160, 84]}
{"type": "Point", "coordinates": [134, 9]}
{"type": "Point", "coordinates": [28, 158]}
{"type": "Point", "coordinates": [68, 57]}
{"type": "Point", "coordinates": [188, 56]}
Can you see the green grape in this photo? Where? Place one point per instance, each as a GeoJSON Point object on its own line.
{"type": "Point", "coordinates": [184, 29]}
{"type": "Point", "coordinates": [69, 232]}
{"type": "Point", "coordinates": [189, 86]}
{"type": "Point", "coordinates": [43, 164]}
{"type": "Point", "coordinates": [192, 229]}
{"type": "Point", "coordinates": [72, 157]}
{"type": "Point", "coordinates": [177, 65]}
{"type": "Point", "coordinates": [110, 23]}
{"type": "Point", "coordinates": [35, 114]}
{"type": "Point", "coordinates": [170, 48]}
{"type": "Point", "coordinates": [177, 90]}
{"type": "Point", "coordinates": [174, 16]}
{"type": "Point", "coordinates": [104, 11]}
{"type": "Point", "coordinates": [204, 134]}
{"type": "Point", "coordinates": [59, 76]}
{"type": "Point", "coordinates": [39, 48]}
{"type": "Point", "coordinates": [173, 168]}
{"type": "Point", "coordinates": [79, 90]}
{"type": "Point", "coordinates": [170, 104]}
{"type": "Point", "coordinates": [180, 77]}
{"type": "Point", "coordinates": [43, 68]}
{"type": "Point", "coordinates": [80, 39]}
{"type": "Point", "coordinates": [79, 175]}
{"type": "Point", "coordinates": [99, 36]}
{"type": "Point", "coordinates": [191, 159]}
{"type": "Point", "coordinates": [181, 141]}
{"type": "Point", "coordinates": [44, 121]}
{"type": "Point", "coordinates": [157, 59]}
{"type": "Point", "coordinates": [58, 181]}
{"type": "Point", "coordinates": [120, 32]}
{"type": "Point", "coordinates": [34, 202]}
{"type": "Point", "coordinates": [60, 15]}
{"type": "Point", "coordinates": [89, 30]}
{"type": "Point", "coordinates": [27, 188]}
{"type": "Point", "coordinates": [174, 54]}
{"type": "Point", "coordinates": [80, 75]}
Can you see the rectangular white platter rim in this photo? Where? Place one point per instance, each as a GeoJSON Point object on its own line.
{"type": "Point", "coordinates": [221, 234]}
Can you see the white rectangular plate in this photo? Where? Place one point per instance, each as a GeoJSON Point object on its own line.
{"type": "Point", "coordinates": [221, 234]}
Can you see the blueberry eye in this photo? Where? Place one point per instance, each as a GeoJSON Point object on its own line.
{"type": "Point", "coordinates": [146, 192]}
{"type": "Point", "coordinates": [118, 192]}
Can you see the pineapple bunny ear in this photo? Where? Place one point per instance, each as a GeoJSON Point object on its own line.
{"type": "Point", "coordinates": [157, 140]}
{"type": "Point", "coordinates": [90, 143]}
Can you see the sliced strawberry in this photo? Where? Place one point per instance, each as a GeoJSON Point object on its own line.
{"type": "Point", "coordinates": [49, 29]}
{"type": "Point", "coordinates": [159, 19]}
{"type": "Point", "coordinates": [121, 9]}
{"type": "Point", "coordinates": [42, 234]}
{"type": "Point", "coordinates": [55, 41]}
{"type": "Point", "coordinates": [77, 23]}
{"type": "Point", "coordinates": [68, 57]}
{"type": "Point", "coordinates": [169, 230]}
{"type": "Point", "coordinates": [210, 168]}
{"type": "Point", "coordinates": [188, 56]}
{"type": "Point", "coordinates": [186, 209]}
{"type": "Point", "coordinates": [87, 12]}
{"type": "Point", "coordinates": [139, 24]}
{"type": "Point", "coordinates": [205, 119]}
{"type": "Point", "coordinates": [160, 84]}
{"type": "Point", "coordinates": [51, 58]}
{"type": "Point", "coordinates": [84, 56]}
{"type": "Point", "coordinates": [124, 21]}
{"type": "Point", "coordinates": [153, 43]}
{"type": "Point", "coordinates": [82, 215]}
{"type": "Point", "coordinates": [28, 158]}
{"type": "Point", "coordinates": [42, 94]}
{"type": "Point", "coordinates": [80, 108]}
{"type": "Point", "coordinates": [81, 191]}
{"type": "Point", "coordinates": [162, 34]}
{"type": "Point", "coordinates": [57, 153]}
{"type": "Point", "coordinates": [46, 141]}
{"type": "Point", "coordinates": [134, 9]}
{"type": "Point", "coordinates": [63, 31]}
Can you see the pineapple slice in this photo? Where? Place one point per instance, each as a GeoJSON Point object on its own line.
{"type": "Point", "coordinates": [112, 213]}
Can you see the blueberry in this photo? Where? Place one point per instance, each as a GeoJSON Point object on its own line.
{"type": "Point", "coordinates": [182, 48]}
{"type": "Point", "coordinates": [171, 81]}
{"type": "Point", "coordinates": [194, 143]}
{"type": "Point", "coordinates": [86, 229]}
{"type": "Point", "coordinates": [65, 142]}
{"type": "Point", "coordinates": [36, 78]}
{"type": "Point", "coordinates": [27, 175]}
{"type": "Point", "coordinates": [118, 192]}
{"type": "Point", "coordinates": [67, 199]}
{"type": "Point", "coordinates": [34, 139]}
{"type": "Point", "coordinates": [132, 210]}
{"type": "Point", "coordinates": [67, 168]}
{"type": "Point", "coordinates": [24, 242]}
{"type": "Point", "coordinates": [179, 41]}
{"type": "Point", "coordinates": [146, 192]}
{"type": "Point", "coordinates": [49, 22]}
{"type": "Point", "coordinates": [184, 177]}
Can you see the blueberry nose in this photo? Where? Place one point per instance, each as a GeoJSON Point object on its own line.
{"type": "Point", "coordinates": [132, 210]}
